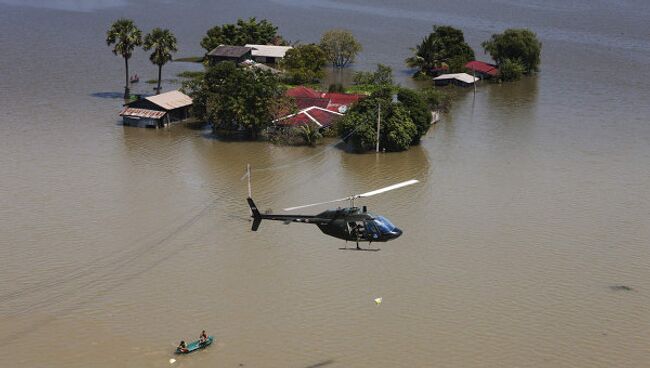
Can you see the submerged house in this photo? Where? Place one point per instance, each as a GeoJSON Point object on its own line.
{"type": "Point", "coordinates": [157, 111]}
{"type": "Point", "coordinates": [459, 79]}
{"type": "Point", "coordinates": [268, 54]}
{"type": "Point", "coordinates": [482, 69]}
{"type": "Point", "coordinates": [322, 109]}
{"type": "Point", "coordinates": [236, 54]}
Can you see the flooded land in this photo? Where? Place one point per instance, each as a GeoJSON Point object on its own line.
{"type": "Point", "coordinates": [526, 244]}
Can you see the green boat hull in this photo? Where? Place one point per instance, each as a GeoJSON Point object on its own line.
{"type": "Point", "coordinates": [195, 345]}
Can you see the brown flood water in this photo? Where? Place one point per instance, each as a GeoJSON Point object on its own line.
{"type": "Point", "coordinates": [116, 242]}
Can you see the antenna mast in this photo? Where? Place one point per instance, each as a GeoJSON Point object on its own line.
{"type": "Point", "coordinates": [248, 175]}
{"type": "Point", "coordinates": [378, 123]}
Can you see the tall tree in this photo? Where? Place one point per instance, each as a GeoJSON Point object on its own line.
{"type": "Point", "coordinates": [244, 32]}
{"type": "Point", "coordinates": [418, 111]}
{"type": "Point", "coordinates": [125, 36]}
{"type": "Point", "coordinates": [232, 98]}
{"type": "Point", "coordinates": [521, 45]}
{"type": "Point", "coordinates": [340, 46]}
{"type": "Point", "coordinates": [444, 47]}
{"type": "Point", "coordinates": [359, 128]}
{"type": "Point", "coordinates": [304, 63]}
{"type": "Point", "coordinates": [163, 43]}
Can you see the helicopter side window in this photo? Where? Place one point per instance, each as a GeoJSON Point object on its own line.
{"type": "Point", "coordinates": [373, 231]}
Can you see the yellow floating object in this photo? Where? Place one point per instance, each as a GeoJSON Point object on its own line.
{"type": "Point", "coordinates": [172, 361]}
{"type": "Point", "coordinates": [378, 300]}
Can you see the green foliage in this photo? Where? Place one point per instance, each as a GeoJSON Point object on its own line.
{"type": "Point", "coordinates": [359, 128]}
{"type": "Point", "coordinates": [309, 134]}
{"type": "Point", "coordinates": [383, 76]}
{"type": "Point", "coordinates": [243, 32]}
{"type": "Point", "coordinates": [418, 110]}
{"type": "Point", "coordinates": [190, 74]}
{"type": "Point", "coordinates": [304, 64]}
{"type": "Point", "coordinates": [511, 70]}
{"type": "Point", "coordinates": [163, 44]}
{"type": "Point", "coordinates": [125, 36]}
{"type": "Point", "coordinates": [190, 59]}
{"type": "Point", "coordinates": [361, 89]}
{"type": "Point", "coordinates": [340, 47]}
{"type": "Point", "coordinates": [233, 98]}
{"type": "Point", "coordinates": [336, 88]}
{"type": "Point", "coordinates": [436, 99]}
{"type": "Point", "coordinates": [445, 46]}
{"type": "Point", "coordinates": [515, 44]}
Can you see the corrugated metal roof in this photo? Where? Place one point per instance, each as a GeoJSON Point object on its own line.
{"type": "Point", "coordinates": [463, 77]}
{"type": "Point", "coordinates": [142, 113]}
{"type": "Point", "coordinates": [269, 50]}
{"type": "Point", "coordinates": [229, 51]}
{"type": "Point", "coordinates": [171, 100]}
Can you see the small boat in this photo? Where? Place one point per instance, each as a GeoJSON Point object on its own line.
{"type": "Point", "coordinates": [195, 345]}
{"type": "Point", "coordinates": [135, 79]}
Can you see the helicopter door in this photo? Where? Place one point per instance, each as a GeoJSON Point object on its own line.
{"type": "Point", "coordinates": [372, 232]}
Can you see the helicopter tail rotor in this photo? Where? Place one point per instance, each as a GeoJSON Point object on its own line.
{"type": "Point", "coordinates": [257, 217]}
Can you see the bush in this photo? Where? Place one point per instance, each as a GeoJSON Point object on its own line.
{"type": "Point", "coordinates": [381, 77]}
{"type": "Point", "coordinates": [309, 134]}
{"type": "Point", "coordinates": [515, 44]}
{"type": "Point", "coordinates": [436, 99]}
{"type": "Point", "coordinates": [511, 70]}
{"type": "Point", "coordinates": [189, 74]}
{"type": "Point", "coordinates": [336, 88]}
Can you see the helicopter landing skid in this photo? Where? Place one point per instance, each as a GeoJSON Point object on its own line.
{"type": "Point", "coordinates": [362, 249]}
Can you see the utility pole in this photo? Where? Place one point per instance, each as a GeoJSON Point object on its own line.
{"type": "Point", "coordinates": [378, 123]}
{"type": "Point", "coordinates": [474, 76]}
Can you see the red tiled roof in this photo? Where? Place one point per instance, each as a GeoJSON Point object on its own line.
{"type": "Point", "coordinates": [482, 67]}
{"type": "Point", "coordinates": [307, 97]}
{"type": "Point", "coordinates": [302, 91]}
{"type": "Point", "coordinates": [322, 117]}
{"type": "Point", "coordinates": [339, 99]}
{"type": "Point", "coordinates": [305, 102]}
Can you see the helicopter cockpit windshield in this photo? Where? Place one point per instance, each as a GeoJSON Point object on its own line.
{"type": "Point", "coordinates": [383, 224]}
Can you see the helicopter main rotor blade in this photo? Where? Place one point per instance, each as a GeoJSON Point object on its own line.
{"type": "Point", "coordinates": [388, 188]}
{"type": "Point", "coordinates": [317, 204]}
{"type": "Point", "coordinates": [363, 195]}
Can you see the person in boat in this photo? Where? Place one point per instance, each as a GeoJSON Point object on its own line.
{"type": "Point", "coordinates": [182, 347]}
{"type": "Point", "coordinates": [203, 338]}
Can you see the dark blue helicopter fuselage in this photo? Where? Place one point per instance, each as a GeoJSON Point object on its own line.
{"type": "Point", "coordinates": [350, 223]}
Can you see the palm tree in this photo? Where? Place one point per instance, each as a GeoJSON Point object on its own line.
{"type": "Point", "coordinates": [163, 43]}
{"type": "Point", "coordinates": [427, 55]}
{"type": "Point", "coordinates": [126, 36]}
{"type": "Point", "coordinates": [309, 134]}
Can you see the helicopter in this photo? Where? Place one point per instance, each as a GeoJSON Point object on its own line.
{"type": "Point", "coordinates": [350, 223]}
